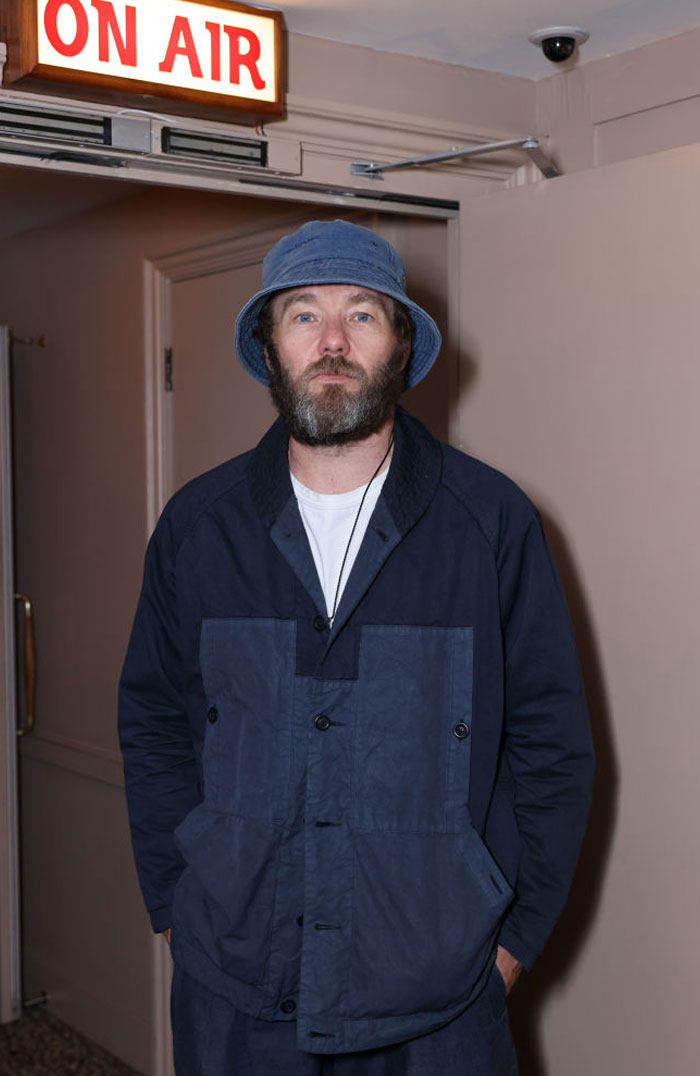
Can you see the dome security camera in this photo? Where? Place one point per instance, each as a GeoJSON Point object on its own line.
{"type": "Point", "coordinates": [558, 43]}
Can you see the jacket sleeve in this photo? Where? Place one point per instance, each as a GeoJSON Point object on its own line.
{"type": "Point", "coordinates": [547, 740]}
{"type": "Point", "coordinates": [160, 766]}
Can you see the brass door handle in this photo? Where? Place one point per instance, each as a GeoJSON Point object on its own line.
{"type": "Point", "coordinates": [29, 666]}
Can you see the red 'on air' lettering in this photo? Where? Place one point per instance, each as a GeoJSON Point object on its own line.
{"type": "Point", "coordinates": [181, 29]}
{"type": "Point", "coordinates": [248, 59]}
{"type": "Point", "coordinates": [82, 28]}
{"type": "Point", "coordinates": [107, 22]}
{"type": "Point", "coordinates": [215, 34]}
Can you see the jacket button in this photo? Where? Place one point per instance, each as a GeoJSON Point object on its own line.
{"type": "Point", "coordinates": [320, 622]}
{"type": "Point", "coordinates": [322, 723]}
{"type": "Point", "coordinates": [461, 730]}
{"type": "Point", "coordinates": [213, 715]}
{"type": "Point", "coordinates": [288, 1006]}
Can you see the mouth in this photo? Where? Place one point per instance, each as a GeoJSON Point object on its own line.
{"type": "Point", "coordinates": [331, 377]}
{"type": "Point", "coordinates": [332, 371]}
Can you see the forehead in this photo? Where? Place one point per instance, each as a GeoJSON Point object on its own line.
{"type": "Point", "coordinates": [329, 294]}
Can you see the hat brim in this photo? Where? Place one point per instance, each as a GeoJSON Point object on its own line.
{"type": "Point", "coordinates": [425, 344]}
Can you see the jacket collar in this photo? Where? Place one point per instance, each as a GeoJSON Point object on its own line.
{"type": "Point", "coordinates": [415, 471]}
{"type": "Point", "coordinates": [268, 474]}
{"type": "Point", "coordinates": [410, 486]}
{"type": "Point", "coordinates": [409, 489]}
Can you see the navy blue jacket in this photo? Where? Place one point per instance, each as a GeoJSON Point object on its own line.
{"type": "Point", "coordinates": [340, 826]}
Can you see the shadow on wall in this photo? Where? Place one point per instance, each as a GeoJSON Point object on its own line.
{"type": "Point", "coordinates": [431, 403]}
{"type": "Point", "coordinates": [570, 934]}
{"type": "Point", "coordinates": [528, 1002]}
{"type": "Point", "coordinates": [430, 399]}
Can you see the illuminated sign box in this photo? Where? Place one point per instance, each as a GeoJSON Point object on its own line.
{"type": "Point", "coordinates": [205, 52]}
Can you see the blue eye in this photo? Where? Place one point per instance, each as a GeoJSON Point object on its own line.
{"type": "Point", "coordinates": [363, 317]}
{"type": "Point", "coordinates": [305, 317]}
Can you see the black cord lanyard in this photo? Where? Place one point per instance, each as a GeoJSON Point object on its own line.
{"type": "Point", "coordinates": [381, 463]}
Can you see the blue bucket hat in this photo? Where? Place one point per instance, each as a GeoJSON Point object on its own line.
{"type": "Point", "coordinates": [335, 252]}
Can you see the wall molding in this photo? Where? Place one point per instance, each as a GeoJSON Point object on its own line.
{"type": "Point", "coordinates": [336, 130]}
{"type": "Point", "coordinates": [350, 133]}
{"type": "Point", "coordinates": [76, 756]}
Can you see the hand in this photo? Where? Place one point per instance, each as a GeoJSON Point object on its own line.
{"type": "Point", "coordinates": [166, 935]}
{"type": "Point", "coordinates": [508, 966]}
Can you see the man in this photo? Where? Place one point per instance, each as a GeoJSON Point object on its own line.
{"type": "Point", "coordinates": [356, 747]}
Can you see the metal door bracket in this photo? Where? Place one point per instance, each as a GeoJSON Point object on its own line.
{"type": "Point", "coordinates": [529, 145]}
{"type": "Point", "coordinates": [168, 369]}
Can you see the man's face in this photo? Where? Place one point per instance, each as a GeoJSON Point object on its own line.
{"type": "Point", "coordinates": [336, 365]}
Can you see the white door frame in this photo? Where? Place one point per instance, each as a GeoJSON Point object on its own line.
{"type": "Point", "coordinates": [10, 965]}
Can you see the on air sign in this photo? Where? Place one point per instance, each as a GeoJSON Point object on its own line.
{"type": "Point", "coordinates": [204, 51]}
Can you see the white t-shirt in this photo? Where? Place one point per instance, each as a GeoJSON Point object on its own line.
{"type": "Point", "coordinates": [328, 520]}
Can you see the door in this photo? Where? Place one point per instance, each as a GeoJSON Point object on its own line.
{"type": "Point", "coordinates": [10, 985]}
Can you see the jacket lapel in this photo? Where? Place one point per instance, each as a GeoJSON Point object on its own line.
{"type": "Point", "coordinates": [290, 537]}
{"type": "Point", "coordinates": [410, 486]}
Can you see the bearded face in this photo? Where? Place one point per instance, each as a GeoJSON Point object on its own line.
{"type": "Point", "coordinates": [336, 414]}
{"type": "Point", "coordinates": [336, 362]}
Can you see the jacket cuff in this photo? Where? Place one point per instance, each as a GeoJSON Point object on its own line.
{"type": "Point", "coordinates": [516, 947]}
{"type": "Point", "coordinates": [161, 919]}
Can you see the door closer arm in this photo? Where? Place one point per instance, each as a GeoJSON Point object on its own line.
{"type": "Point", "coordinates": [529, 145]}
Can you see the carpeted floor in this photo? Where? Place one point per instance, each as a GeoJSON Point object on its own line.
{"type": "Point", "coordinates": [41, 1045]}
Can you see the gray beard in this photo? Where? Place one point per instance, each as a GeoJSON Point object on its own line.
{"type": "Point", "coordinates": [336, 416]}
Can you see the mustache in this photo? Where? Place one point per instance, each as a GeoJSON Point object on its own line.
{"type": "Point", "coordinates": [334, 364]}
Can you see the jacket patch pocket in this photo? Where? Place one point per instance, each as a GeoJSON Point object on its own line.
{"type": "Point", "coordinates": [426, 911]}
{"type": "Point", "coordinates": [413, 728]}
{"type": "Point", "coordinates": [224, 899]}
{"type": "Point", "coordinates": [248, 673]}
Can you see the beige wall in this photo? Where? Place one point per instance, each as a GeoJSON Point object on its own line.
{"type": "Point", "coordinates": [330, 73]}
{"type": "Point", "coordinates": [580, 298]}
{"type": "Point", "coordinates": [642, 101]}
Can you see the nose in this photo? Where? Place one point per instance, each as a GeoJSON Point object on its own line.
{"type": "Point", "coordinates": [333, 338]}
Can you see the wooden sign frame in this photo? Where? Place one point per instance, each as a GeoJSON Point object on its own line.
{"type": "Point", "coordinates": [18, 28]}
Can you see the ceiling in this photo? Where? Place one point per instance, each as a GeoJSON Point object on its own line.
{"type": "Point", "coordinates": [489, 34]}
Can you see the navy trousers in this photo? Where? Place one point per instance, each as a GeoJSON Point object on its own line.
{"type": "Point", "coordinates": [211, 1038]}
